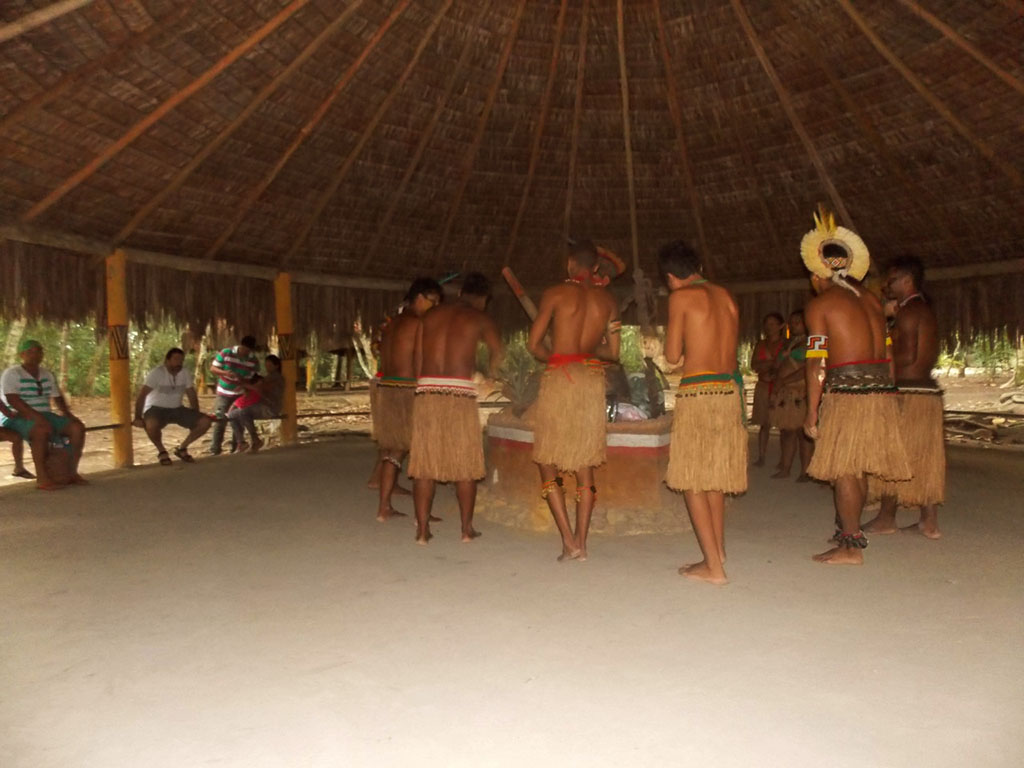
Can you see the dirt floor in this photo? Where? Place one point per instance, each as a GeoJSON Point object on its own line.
{"type": "Point", "coordinates": [249, 611]}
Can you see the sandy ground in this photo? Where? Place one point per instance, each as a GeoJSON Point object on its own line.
{"type": "Point", "coordinates": [249, 611]}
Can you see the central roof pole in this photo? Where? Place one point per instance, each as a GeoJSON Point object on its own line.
{"type": "Point", "coordinates": [286, 351]}
{"type": "Point", "coordinates": [120, 379]}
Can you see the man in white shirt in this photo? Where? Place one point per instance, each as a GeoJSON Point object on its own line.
{"type": "Point", "coordinates": [26, 391]}
{"type": "Point", "coordinates": [160, 403]}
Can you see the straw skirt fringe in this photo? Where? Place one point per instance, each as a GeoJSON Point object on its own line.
{"type": "Point", "coordinates": [393, 417]}
{"type": "Point", "coordinates": [709, 442]}
{"type": "Point", "coordinates": [858, 435]}
{"type": "Point", "coordinates": [789, 407]}
{"type": "Point", "coordinates": [374, 408]}
{"type": "Point", "coordinates": [921, 425]}
{"type": "Point", "coordinates": [760, 415]}
{"type": "Point", "coordinates": [447, 441]}
{"type": "Point", "coordinates": [570, 426]}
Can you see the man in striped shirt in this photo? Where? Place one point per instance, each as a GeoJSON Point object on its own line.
{"type": "Point", "coordinates": [26, 391]}
{"type": "Point", "coordinates": [232, 366]}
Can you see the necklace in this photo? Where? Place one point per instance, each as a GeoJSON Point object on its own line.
{"type": "Point", "coordinates": [699, 281]}
{"type": "Point", "coordinates": [910, 298]}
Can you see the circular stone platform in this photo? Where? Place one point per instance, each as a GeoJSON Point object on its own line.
{"type": "Point", "coordinates": [631, 495]}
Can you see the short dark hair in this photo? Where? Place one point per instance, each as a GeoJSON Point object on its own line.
{"type": "Point", "coordinates": [798, 313]}
{"type": "Point", "coordinates": [679, 259]}
{"type": "Point", "coordinates": [583, 252]}
{"type": "Point", "coordinates": [247, 341]}
{"type": "Point", "coordinates": [908, 265]}
{"type": "Point", "coordinates": [423, 286]}
{"type": "Point", "coordinates": [777, 315]}
{"type": "Point", "coordinates": [475, 284]}
{"type": "Point", "coordinates": [173, 351]}
{"type": "Point", "coordinates": [273, 359]}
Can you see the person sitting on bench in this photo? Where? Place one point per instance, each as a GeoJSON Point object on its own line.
{"type": "Point", "coordinates": [262, 400]}
{"type": "Point", "coordinates": [160, 403]}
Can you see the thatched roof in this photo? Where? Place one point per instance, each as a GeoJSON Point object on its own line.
{"type": "Point", "coordinates": [379, 138]}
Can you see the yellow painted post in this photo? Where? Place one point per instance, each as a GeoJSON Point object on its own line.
{"type": "Point", "coordinates": [120, 380]}
{"type": "Point", "coordinates": [286, 351]}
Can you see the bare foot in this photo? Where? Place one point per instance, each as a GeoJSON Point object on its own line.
{"type": "Point", "coordinates": [47, 485]}
{"type": "Point", "coordinates": [373, 485]}
{"type": "Point", "coordinates": [399, 490]}
{"type": "Point", "coordinates": [78, 480]}
{"type": "Point", "coordinates": [928, 531]}
{"type": "Point", "coordinates": [422, 540]}
{"type": "Point", "coordinates": [841, 556]}
{"type": "Point", "coordinates": [701, 572]}
{"type": "Point", "coordinates": [582, 556]}
{"type": "Point", "coordinates": [569, 554]}
{"type": "Point", "coordinates": [383, 517]}
{"type": "Point", "coordinates": [759, 462]}
{"type": "Point", "coordinates": [803, 477]}
{"type": "Point", "coordinates": [781, 474]}
{"type": "Point", "coordinates": [877, 525]}
{"type": "Point", "coordinates": [473, 534]}
{"type": "Point", "coordinates": [434, 519]}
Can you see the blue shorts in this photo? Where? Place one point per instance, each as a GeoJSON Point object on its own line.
{"type": "Point", "coordinates": [24, 426]}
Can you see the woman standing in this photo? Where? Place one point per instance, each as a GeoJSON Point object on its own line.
{"type": "Point", "coordinates": [789, 399]}
{"type": "Point", "coordinates": [762, 361]}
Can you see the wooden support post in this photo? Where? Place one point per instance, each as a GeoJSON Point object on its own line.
{"type": "Point", "coordinates": [286, 351]}
{"type": "Point", "coordinates": [120, 379]}
{"type": "Point", "coordinates": [348, 368]}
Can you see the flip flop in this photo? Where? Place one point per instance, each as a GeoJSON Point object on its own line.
{"type": "Point", "coordinates": [23, 473]}
{"type": "Point", "coordinates": [164, 458]}
{"type": "Point", "coordinates": [183, 454]}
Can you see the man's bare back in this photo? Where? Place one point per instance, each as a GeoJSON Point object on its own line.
{"type": "Point", "coordinates": [855, 325]}
{"type": "Point", "coordinates": [578, 317]}
{"type": "Point", "coordinates": [449, 337]}
{"type": "Point", "coordinates": [398, 342]}
{"type": "Point", "coordinates": [915, 341]}
{"type": "Point", "coordinates": [703, 329]}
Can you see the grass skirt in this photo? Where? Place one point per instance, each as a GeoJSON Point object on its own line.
{"type": "Point", "coordinates": [760, 415]}
{"type": "Point", "coordinates": [709, 441]}
{"type": "Point", "coordinates": [374, 406]}
{"type": "Point", "coordinates": [789, 407]}
{"type": "Point", "coordinates": [393, 417]}
{"type": "Point", "coordinates": [447, 440]}
{"type": "Point", "coordinates": [858, 436]}
{"type": "Point", "coordinates": [570, 425]}
{"type": "Point", "coordinates": [921, 426]}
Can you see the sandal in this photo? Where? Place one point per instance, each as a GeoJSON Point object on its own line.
{"type": "Point", "coordinates": [23, 473]}
{"type": "Point", "coordinates": [164, 458]}
{"type": "Point", "coordinates": [183, 454]}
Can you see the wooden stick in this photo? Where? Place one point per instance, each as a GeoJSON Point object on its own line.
{"type": "Point", "coordinates": [517, 290]}
{"type": "Point", "coordinates": [421, 147]}
{"type": "Point", "coordinates": [286, 352]}
{"type": "Point", "coordinates": [470, 158]}
{"type": "Point", "coordinates": [265, 93]}
{"type": "Point", "coordinates": [305, 132]}
{"type": "Point", "coordinates": [960, 42]}
{"type": "Point", "coordinates": [794, 120]}
{"type": "Point", "coordinates": [38, 18]}
{"type": "Point", "coordinates": [332, 188]}
{"type": "Point", "coordinates": [937, 104]}
{"type": "Point", "coordinates": [157, 114]}
{"type": "Point", "coordinates": [538, 133]}
{"type": "Point", "coordinates": [118, 53]}
{"type": "Point", "coordinates": [581, 67]}
{"type": "Point", "coordinates": [627, 137]}
{"type": "Point", "coordinates": [684, 157]}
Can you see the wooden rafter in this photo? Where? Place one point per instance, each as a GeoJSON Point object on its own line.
{"type": "Point", "coordinates": [305, 131]}
{"type": "Point", "coordinates": [577, 111]}
{"type": "Point", "coordinates": [677, 122]}
{"type": "Point", "coordinates": [983, 147]}
{"type": "Point", "coordinates": [265, 93]}
{"type": "Point", "coordinates": [421, 146]}
{"type": "Point", "coordinates": [627, 136]}
{"type": "Point", "coordinates": [470, 158]}
{"type": "Point", "coordinates": [39, 17]}
{"type": "Point", "coordinates": [538, 133]}
{"type": "Point", "coordinates": [332, 188]}
{"type": "Point", "coordinates": [963, 44]}
{"type": "Point", "coordinates": [117, 53]}
{"type": "Point", "coordinates": [157, 114]}
{"type": "Point", "coordinates": [794, 119]}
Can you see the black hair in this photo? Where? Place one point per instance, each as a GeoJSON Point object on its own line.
{"type": "Point", "coordinates": [777, 316]}
{"type": "Point", "coordinates": [247, 341]}
{"type": "Point", "coordinates": [273, 358]}
{"type": "Point", "coordinates": [173, 351]}
{"type": "Point", "coordinates": [475, 284]}
{"type": "Point", "coordinates": [584, 253]}
{"type": "Point", "coordinates": [423, 286]}
{"type": "Point", "coordinates": [678, 259]}
{"type": "Point", "coordinates": [799, 312]}
{"type": "Point", "coordinates": [908, 265]}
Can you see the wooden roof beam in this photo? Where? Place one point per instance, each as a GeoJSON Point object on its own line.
{"type": "Point", "coordinates": [305, 132]}
{"type": "Point", "coordinates": [684, 157]}
{"type": "Point", "coordinates": [538, 133]}
{"type": "Point", "coordinates": [794, 119]}
{"type": "Point", "coordinates": [157, 114]}
{"type": "Point", "coordinates": [265, 93]}
{"type": "Point", "coordinates": [577, 111]}
{"type": "Point", "coordinates": [627, 136]}
{"type": "Point", "coordinates": [470, 158]}
{"type": "Point", "coordinates": [38, 18]}
{"type": "Point", "coordinates": [118, 52]}
{"type": "Point", "coordinates": [983, 147]}
{"type": "Point", "coordinates": [332, 188]}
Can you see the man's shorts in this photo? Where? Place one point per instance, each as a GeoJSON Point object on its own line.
{"type": "Point", "coordinates": [182, 416]}
{"type": "Point", "coordinates": [24, 426]}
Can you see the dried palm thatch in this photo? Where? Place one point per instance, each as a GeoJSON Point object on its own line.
{"type": "Point", "coordinates": [379, 138]}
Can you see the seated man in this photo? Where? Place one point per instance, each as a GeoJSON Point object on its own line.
{"type": "Point", "coordinates": [262, 400]}
{"type": "Point", "coordinates": [159, 404]}
{"type": "Point", "coordinates": [17, 446]}
{"type": "Point", "coordinates": [26, 391]}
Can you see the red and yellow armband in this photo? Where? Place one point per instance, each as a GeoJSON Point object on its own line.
{"type": "Point", "coordinates": [817, 346]}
